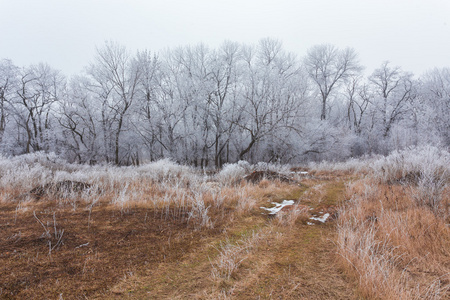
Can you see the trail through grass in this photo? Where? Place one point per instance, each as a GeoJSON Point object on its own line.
{"type": "Point", "coordinates": [139, 251]}
{"type": "Point", "coordinates": [286, 262]}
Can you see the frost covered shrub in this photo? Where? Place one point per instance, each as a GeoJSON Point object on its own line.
{"type": "Point", "coordinates": [162, 171]}
{"type": "Point", "coordinates": [430, 189]}
{"type": "Point", "coordinates": [24, 177]}
{"type": "Point", "coordinates": [425, 169]}
{"type": "Point", "coordinates": [23, 172]}
{"type": "Point", "coordinates": [198, 214]}
{"type": "Point", "coordinates": [35, 169]}
{"type": "Point", "coordinates": [48, 161]}
{"type": "Point", "coordinates": [410, 165]}
{"type": "Point", "coordinates": [233, 173]}
{"type": "Point", "coordinates": [167, 170]}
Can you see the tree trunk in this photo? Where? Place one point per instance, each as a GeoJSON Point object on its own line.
{"type": "Point", "coordinates": [324, 108]}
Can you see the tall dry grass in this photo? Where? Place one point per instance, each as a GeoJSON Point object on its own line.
{"type": "Point", "coordinates": [394, 233]}
{"type": "Point", "coordinates": [170, 190]}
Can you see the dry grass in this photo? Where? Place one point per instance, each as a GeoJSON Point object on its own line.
{"type": "Point", "coordinates": [393, 233]}
{"type": "Point", "coordinates": [231, 255]}
{"type": "Point", "coordinates": [396, 247]}
{"type": "Point", "coordinates": [157, 231]}
{"type": "Point", "coordinates": [162, 231]}
{"type": "Point", "coordinates": [289, 216]}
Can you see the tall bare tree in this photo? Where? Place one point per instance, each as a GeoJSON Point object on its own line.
{"type": "Point", "coordinates": [8, 76]}
{"type": "Point", "coordinates": [39, 89]}
{"type": "Point", "coordinates": [221, 102]}
{"type": "Point", "coordinates": [329, 66]}
{"type": "Point", "coordinates": [394, 91]}
{"type": "Point", "coordinates": [115, 77]}
{"type": "Point", "coordinates": [79, 118]}
{"type": "Point", "coordinates": [272, 96]}
{"type": "Point", "coordinates": [436, 96]}
{"type": "Point", "coordinates": [359, 98]}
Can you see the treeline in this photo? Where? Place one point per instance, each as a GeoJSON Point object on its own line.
{"type": "Point", "coordinates": [207, 107]}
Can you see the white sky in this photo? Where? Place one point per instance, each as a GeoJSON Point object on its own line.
{"type": "Point", "coordinates": [414, 34]}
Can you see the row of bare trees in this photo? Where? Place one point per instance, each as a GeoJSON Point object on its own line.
{"type": "Point", "coordinates": [207, 107]}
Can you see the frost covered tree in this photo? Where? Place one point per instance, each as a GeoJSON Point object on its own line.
{"type": "Point", "coordinates": [38, 90]}
{"type": "Point", "coordinates": [210, 106]}
{"type": "Point", "coordinates": [8, 73]}
{"type": "Point", "coordinates": [359, 98]}
{"type": "Point", "coordinates": [144, 115]}
{"type": "Point", "coordinates": [273, 98]}
{"type": "Point", "coordinates": [114, 76]}
{"type": "Point", "coordinates": [328, 67]}
{"type": "Point", "coordinates": [435, 101]}
{"type": "Point", "coordinates": [222, 106]}
{"type": "Point", "coordinates": [394, 92]}
{"type": "Point", "coordinates": [80, 119]}
{"type": "Point", "coordinates": [178, 84]}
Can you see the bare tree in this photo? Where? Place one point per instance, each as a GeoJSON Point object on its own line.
{"type": "Point", "coordinates": [8, 75]}
{"type": "Point", "coordinates": [144, 115]}
{"type": "Point", "coordinates": [79, 117]}
{"type": "Point", "coordinates": [359, 98]}
{"type": "Point", "coordinates": [329, 66]}
{"type": "Point", "coordinates": [436, 96]}
{"type": "Point", "coordinates": [221, 102]}
{"type": "Point", "coordinates": [394, 91]}
{"type": "Point", "coordinates": [176, 109]}
{"type": "Point", "coordinates": [115, 77]}
{"type": "Point", "coordinates": [38, 90]}
{"type": "Point", "coordinates": [273, 96]}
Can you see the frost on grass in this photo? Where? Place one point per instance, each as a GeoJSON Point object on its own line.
{"type": "Point", "coordinates": [233, 173]}
{"type": "Point", "coordinates": [425, 170]}
{"type": "Point", "coordinates": [231, 255]}
{"type": "Point", "coordinates": [411, 165]}
{"type": "Point", "coordinates": [29, 171]}
{"type": "Point", "coordinates": [387, 233]}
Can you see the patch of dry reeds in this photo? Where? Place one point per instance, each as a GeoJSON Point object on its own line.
{"type": "Point", "coordinates": [397, 247]}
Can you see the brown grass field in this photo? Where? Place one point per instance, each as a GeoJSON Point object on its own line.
{"type": "Point", "coordinates": [377, 243]}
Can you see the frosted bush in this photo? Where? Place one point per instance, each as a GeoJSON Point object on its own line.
{"type": "Point", "coordinates": [199, 212]}
{"type": "Point", "coordinates": [24, 177]}
{"type": "Point", "coordinates": [233, 173]}
{"type": "Point", "coordinates": [411, 165]}
{"type": "Point", "coordinates": [167, 170]}
{"type": "Point", "coordinates": [48, 161]}
{"type": "Point", "coordinates": [23, 173]}
{"type": "Point", "coordinates": [430, 189]}
{"type": "Point", "coordinates": [35, 169]}
{"type": "Point", "coordinates": [425, 169]}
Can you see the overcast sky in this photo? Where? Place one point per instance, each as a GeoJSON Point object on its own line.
{"type": "Point", "coordinates": [414, 34]}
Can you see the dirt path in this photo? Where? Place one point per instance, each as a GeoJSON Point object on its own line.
{"type": "Point", "coordinates": [301, 266]}
{"type": "Point", "coordinates": [287, 262]}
